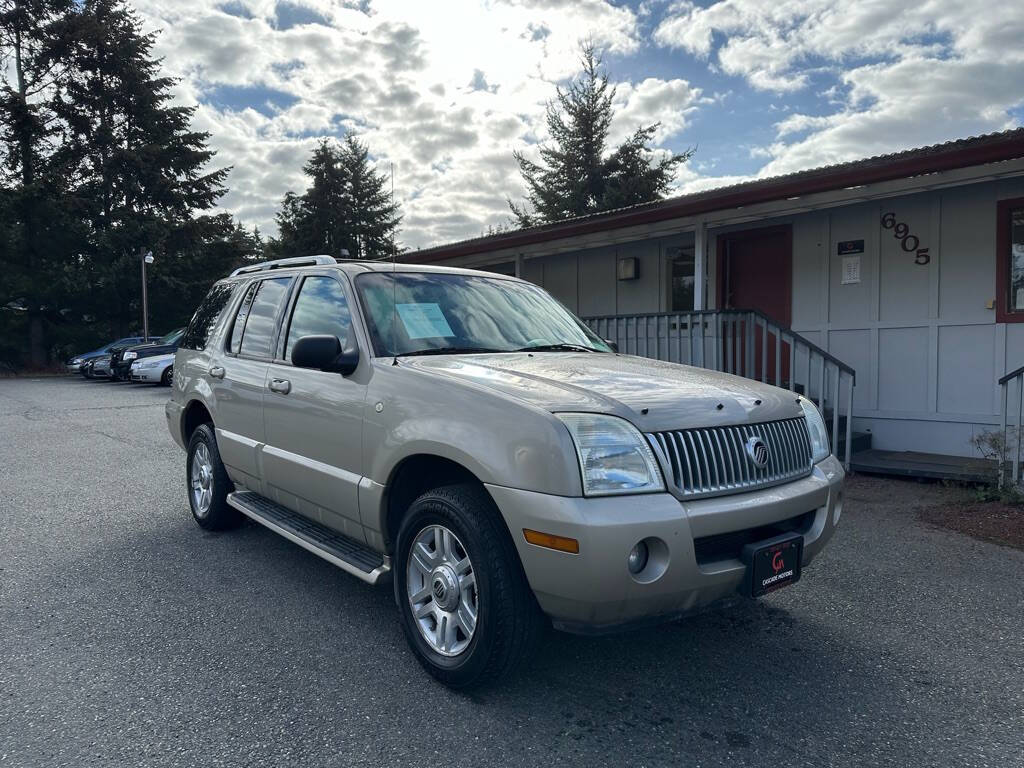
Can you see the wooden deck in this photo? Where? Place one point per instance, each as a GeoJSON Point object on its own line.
{"type": "Point", "coordinates": [929, 465]}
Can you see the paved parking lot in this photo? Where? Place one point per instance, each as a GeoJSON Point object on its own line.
{"type": "Point", "coordinates": [128, 636]}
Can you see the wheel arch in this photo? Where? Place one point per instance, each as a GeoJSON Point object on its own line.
{"type": "Point", "coordinates": [411, 477]}
{"type": "Point", "coordinates": [193, 416]}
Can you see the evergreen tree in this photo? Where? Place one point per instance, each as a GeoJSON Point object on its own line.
{"type": "Point", "coordinates": [373, 217]}
{"type": "Point", "coordinates": [38, 238]}
{"type": "Point", "coordinates": [139, 169]}
{"type": "Point", "coordinates": [346, 207]}
{"type": "Point", "coordinates": [577, 175]}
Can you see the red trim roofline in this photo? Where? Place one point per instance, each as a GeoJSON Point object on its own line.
{"type": "Point", "coordinates": [963, 153]}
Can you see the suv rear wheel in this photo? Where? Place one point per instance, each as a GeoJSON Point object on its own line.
{"type": "Point", "coordinates": [466, 608]}
{"type": "Point", "coordinates": [208, 482]}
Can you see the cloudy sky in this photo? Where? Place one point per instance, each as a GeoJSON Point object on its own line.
{"type": "Point", "coordinates": [446, 89]}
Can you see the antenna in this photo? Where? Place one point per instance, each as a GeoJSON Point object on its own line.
{"type": "Point", "coordinates": [394, 277]}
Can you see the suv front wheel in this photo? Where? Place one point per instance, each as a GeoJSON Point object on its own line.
{"type": "Point", "coordinates": [466, 608]}
{"type": "Point", "coordinates": [208, 482]}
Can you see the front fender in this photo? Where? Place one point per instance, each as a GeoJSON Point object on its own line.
{"type": "Point", "coordinates": [500, 440]}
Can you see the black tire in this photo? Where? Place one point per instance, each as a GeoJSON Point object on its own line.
{"type": "Point", "coordinates": [165, 379]}
{"type": "Point", "coordinates": [509, 623]}
{"type": "Point", "coordinates": [219, 516]}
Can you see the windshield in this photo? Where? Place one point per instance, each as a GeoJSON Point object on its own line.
{"type": "Point", "coordinates": [421, 312]}
{"type": "Point", "coordinates": [171, 337]}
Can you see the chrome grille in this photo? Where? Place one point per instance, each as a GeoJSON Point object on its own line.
{"type": "Point", "coordinates": [714, 461]}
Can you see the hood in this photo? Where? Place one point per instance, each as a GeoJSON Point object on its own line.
{"type": "Point", "coordinates": [148, 350]}
{"type": "Point", "coordinates": [654, 395]}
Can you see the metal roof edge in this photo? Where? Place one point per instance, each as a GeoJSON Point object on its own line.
{"type": "Point", "coordinates": [960, 153]}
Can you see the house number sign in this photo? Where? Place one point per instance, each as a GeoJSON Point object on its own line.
{"type": "Point", "coordinates": [908, 242]}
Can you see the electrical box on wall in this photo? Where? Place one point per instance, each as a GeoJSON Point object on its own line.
{"type": "Point", "coordinates": [629, 269]}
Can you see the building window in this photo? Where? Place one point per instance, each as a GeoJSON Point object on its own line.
{"type": "Point", "coordinates": [681, 278]}
{"type": "Point", "coordinates": [1010, 265]}
{"type": "Point", "coordinates": [1016, 259]}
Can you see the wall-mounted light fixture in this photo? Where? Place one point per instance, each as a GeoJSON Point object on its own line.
{"type": "Point", "coordinates": [629, 268]}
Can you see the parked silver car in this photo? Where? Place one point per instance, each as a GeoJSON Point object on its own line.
{"type": "Point", "coordinates": [158, 369]}
{"type": "Point", "coordinates": [465, 435]}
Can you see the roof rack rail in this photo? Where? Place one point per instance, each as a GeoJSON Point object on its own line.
{"type": "Point", "coordinates": [296, 261]}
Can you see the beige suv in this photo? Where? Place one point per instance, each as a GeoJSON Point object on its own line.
{"type": "Point", "coordinates": [466, 436]}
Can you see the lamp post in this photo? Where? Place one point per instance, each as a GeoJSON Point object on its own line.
{"type": "Point", "coordinates": [146, 258]}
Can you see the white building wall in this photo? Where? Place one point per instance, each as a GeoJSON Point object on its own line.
{"type": "Point", "coordinates": [922, 338]}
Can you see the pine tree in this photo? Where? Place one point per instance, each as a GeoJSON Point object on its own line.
{"type": "Point", "coordinates": [347, 207]}
{"type": "Point", "coordinates": [139, 168]}
{"type": "Point", "coordinates": [34, 35]}
{"type": "Point", "coordinates": [373, 217]}
{"type": "Point", "coordinates": [577, 175]}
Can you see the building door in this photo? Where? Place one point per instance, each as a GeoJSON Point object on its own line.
{"type": "Point", "coordinates": [755, 272]}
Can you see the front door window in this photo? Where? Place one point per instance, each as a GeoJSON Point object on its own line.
{"type": "Point", "coordinates": [681, 278]}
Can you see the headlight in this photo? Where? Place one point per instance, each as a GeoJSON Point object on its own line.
{"type": "Point", "coordinates": [130, 355]}
{"type": "Point", "coordinates": [614, 457]}
{"type": "Point", "coordinates": [816, 430]}
{"type": "Point", "coordinates": [75, 361]}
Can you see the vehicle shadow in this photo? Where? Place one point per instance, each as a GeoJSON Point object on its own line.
{"type": "Point", "coordinates": [246, 610]}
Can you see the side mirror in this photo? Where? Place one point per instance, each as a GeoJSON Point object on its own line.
{"type": "Point", "coordinates": [324, 353]}
{"type": "Point", "coordinates": [612, 344]}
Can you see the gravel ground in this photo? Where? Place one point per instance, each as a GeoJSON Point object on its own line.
{"type": "Point", "coordinates": [128, 636]}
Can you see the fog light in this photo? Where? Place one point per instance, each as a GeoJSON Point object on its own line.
{"type": "Point", "coordinates": [637, 558]}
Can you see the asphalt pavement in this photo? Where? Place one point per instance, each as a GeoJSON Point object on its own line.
{"type": "Point", "coordinates": [130, 637]}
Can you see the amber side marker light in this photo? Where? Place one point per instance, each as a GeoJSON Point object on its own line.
{"type": "Point", "coordinates": [549, 540]}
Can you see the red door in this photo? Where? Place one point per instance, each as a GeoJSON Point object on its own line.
{"type": "Point", "coordinates": [755, 272]}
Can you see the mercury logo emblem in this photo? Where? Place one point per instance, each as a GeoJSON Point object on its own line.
{"type": "Point", "coordinates": [757, 451]}
{"type": "Point", "coordinates": [439, 590]}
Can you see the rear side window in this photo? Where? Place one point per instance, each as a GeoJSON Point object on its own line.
{"type": "Point", "coordinates": [320, 309]}
{"type": "Point", "coordinates": [240, 318]}
{"type": "Point", "coordinates": [197, 335]}
{"type": "Point", "coordinates": [258, 335]}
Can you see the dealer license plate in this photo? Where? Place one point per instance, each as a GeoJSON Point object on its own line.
{"type": "Point", "coordinates": [773, 564]}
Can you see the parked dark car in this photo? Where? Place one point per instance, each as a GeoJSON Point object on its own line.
{"type": "Point", "coordinates": [122, 357]}
{"type": "Point", "coordinates": [74, 365]}
{"type": "Point", "coordinates": [97, 367]}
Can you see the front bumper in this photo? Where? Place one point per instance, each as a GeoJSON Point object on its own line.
{"type": "Point", "coordinates": [593, 591]}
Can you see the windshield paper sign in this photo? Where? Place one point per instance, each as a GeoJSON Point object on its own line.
{"type": "Point", "coordinates": [424, 321]}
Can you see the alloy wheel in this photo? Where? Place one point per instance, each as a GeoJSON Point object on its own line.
{"type": "Point", "coordinates": [441, 587]}
{"type": "Point", "coordinates": [202, 480]}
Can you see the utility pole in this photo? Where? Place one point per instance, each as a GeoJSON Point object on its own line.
{"type": "Point", "coordinates": [145, 257]}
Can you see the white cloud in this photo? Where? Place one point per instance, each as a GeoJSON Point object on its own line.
{"type": "Point", "coordinates": [653, 101]}
{"type": "Point", "coordinates": [906, 75]}
{"type": "Point", "coordinates": [401, 75]}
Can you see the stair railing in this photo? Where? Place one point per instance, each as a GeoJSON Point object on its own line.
{"type": "Point", "coordinates": [1016, 377]}
{"type": "Point", "coordinates": [745, 342]}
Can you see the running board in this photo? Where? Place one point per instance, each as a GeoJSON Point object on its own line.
{"type": "Point", "coordinates": [346, 553]}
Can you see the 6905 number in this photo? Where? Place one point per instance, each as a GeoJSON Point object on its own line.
{"type": "Point", "coordinates": [908, 242]}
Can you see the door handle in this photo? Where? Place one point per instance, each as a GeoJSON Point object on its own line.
{"type": "Point", "coordinates": [280, 385]}
{"type": "Point", "coordinates": [217, 372]}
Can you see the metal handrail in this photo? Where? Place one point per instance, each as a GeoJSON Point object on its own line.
{"type": "Point", "coordinates": [1011, 375]}
{"type": "Point", "coordinates": [743, 312]}
{"type": "Point", "coordinates": [732, 333]}
{"type": "Point", "coordinates": [1018, 376]}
